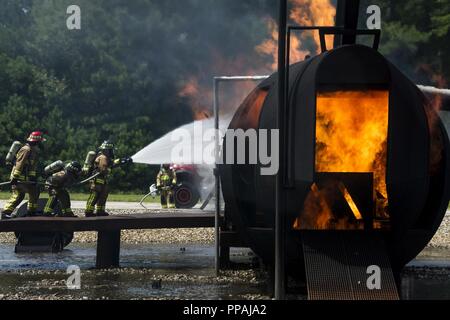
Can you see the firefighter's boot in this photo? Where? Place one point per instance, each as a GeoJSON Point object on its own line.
{"type": "Point", "coordinates": [67, 213]}
{"type": "Point", "coordinates": [101, 211]}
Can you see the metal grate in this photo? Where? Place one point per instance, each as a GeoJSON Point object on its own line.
{"type": "Point", "coordinates": [336, 266]}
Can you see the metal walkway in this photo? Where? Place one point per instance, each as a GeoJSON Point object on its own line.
{"type": "Point", "coordinates": [336, 265]}
{"type": "Point", "coordinates": [157, 219]}
{"type": "Point", "coordinates": [109, 228]}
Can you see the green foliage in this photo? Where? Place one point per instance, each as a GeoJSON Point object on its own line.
{"type": "Point", "coordinates": [119, 76]}
{"type": "Point", "coordinates": [416, 37]}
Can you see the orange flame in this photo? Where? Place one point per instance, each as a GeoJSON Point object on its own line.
{"type": "Point", "coordinates": [314, 13]}
{"type": "Point", "coordinates": [304, 13]}
{"type": "Point", "coordinates": [199, 98]}
{"type": "Point", "coordinates": [352, 128]}
{"type": "Point", "coordinates": [270, 46]}
{"type": "Point", "coordinates": [197, 89]}
{"type": "Point", "coordinates": [348, 197]}
{"type": "Point", "coordinates": [351, 137]}
{"type": "Point", "coordinates": [317, 213]}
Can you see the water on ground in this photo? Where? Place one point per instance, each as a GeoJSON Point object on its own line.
{"type": "Point", "coordinates": [174, 272]}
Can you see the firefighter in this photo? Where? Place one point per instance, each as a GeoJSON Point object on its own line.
{"type": "Point", "coordinates": [24, 177]}
{"type": "Point", "coordinates": [103, 164]}
{"type": "Point", "coordinates": [166, 182]}
{"type": "Point", "coordinates": [57, 185]}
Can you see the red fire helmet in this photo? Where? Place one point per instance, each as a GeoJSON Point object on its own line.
{"type": "Point", "coordinates": [36, 136]}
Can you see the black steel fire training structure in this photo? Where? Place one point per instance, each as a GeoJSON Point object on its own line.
{"type": "Point", "coordinates": [263, 209]}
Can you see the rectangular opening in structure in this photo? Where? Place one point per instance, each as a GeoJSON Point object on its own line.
{"type": "Point", "coordinates": [351, 137]}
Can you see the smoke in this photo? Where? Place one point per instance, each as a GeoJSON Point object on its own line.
{"type": "Point", "coordinates": [257, 54]}
{"type": "Point", "coordinates": [207, 183]}
{"type": "Point", "coordinates": [235, 42]}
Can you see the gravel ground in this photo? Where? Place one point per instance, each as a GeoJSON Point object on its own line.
{"type": "Point", "coordinates": [173, 236]}
{"type": "Point", "coordinates": [45, 285]}
{"type": "Point", "coordinates": [198, 236]}
{"type": "Point", "coordinates": [442, 237]}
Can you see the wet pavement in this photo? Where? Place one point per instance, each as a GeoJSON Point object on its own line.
{"type": "Point", "coordinates": [428, 276]}
{"type": "Point", "coordinates": [147, 272]}
{"type": "Point", "coordinates": [175, 272]}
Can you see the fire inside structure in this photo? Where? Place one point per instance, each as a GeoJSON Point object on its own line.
{"type": "Point", "coordinates": [351, 143]}
{"type": "Point", "coordinates": [366, 155]}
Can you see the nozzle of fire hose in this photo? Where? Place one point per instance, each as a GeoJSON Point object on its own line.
{"type": "Point", "coordinates": [127, 160]}
{"type": "Point", "coordinates": [123, 161]}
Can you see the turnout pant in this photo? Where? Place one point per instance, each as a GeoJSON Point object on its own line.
{"type": "Point", "coordinates": [97, 198]}
{"type": "Point", "coordinates": [58, 195]}
{"type": "Point", "coordinates": [167, 198]}
{"type": "Point", "coordinates": [18, 193]}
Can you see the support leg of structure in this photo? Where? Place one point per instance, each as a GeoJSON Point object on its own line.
{"type": "Point", "coordinates": [271, 281]}
{"type": "Point", "coordinates": [224, 257]}
{"type": "Point", "coordinates": [398, 282]}
{"type": "Point", "coordinates": [108, 249]}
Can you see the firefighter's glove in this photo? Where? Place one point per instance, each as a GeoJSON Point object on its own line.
{"type": "Point", "coordinates": [14, 182]}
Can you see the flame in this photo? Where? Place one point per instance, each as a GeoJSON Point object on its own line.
{"type": "Point", "coordinates": [197, 90]}
{"type": "Point", "coordinates": [304, 13]}
{"type": "Point", "coordinates": [314, 13]}
{"type": "Point", "coordinates": [318, 215]}
{"type": "Point", "coordinates": [270, 46]}
{"type": "Point", "coordinates": [351, 133]}
{"type": "Point", "coordinates": [317, 212]}
{"type": "Point", "coordinates": [198, 98]}
{"type": "Point", "coordinates": [351, 137]}
{"type": "Point", "coordinates": [350, 201]}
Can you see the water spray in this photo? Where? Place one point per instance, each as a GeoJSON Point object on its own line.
{"type": "Point", "coordinates": [434, 90]}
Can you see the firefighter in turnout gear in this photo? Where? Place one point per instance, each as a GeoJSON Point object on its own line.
{"type": "Point", "coordinates": [103, 164]}
{"type": "Point", "coordinates": [57, 185]}
{"type": "Point", "coordinates": [24, 176]}
{"type": "Point", "coordinates": [166, 182]}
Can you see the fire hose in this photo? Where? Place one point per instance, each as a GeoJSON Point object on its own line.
{"type": "Point", "coordinates": [23, 182]}
{"type": "Point", "coordinates": [88, 179]}
{"type": "Point", "coordinates": [434, 90]}
{"type": "Point", "coordinates": [154, 191]}
{"type": "Point", "coordinates": [7, 183]}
